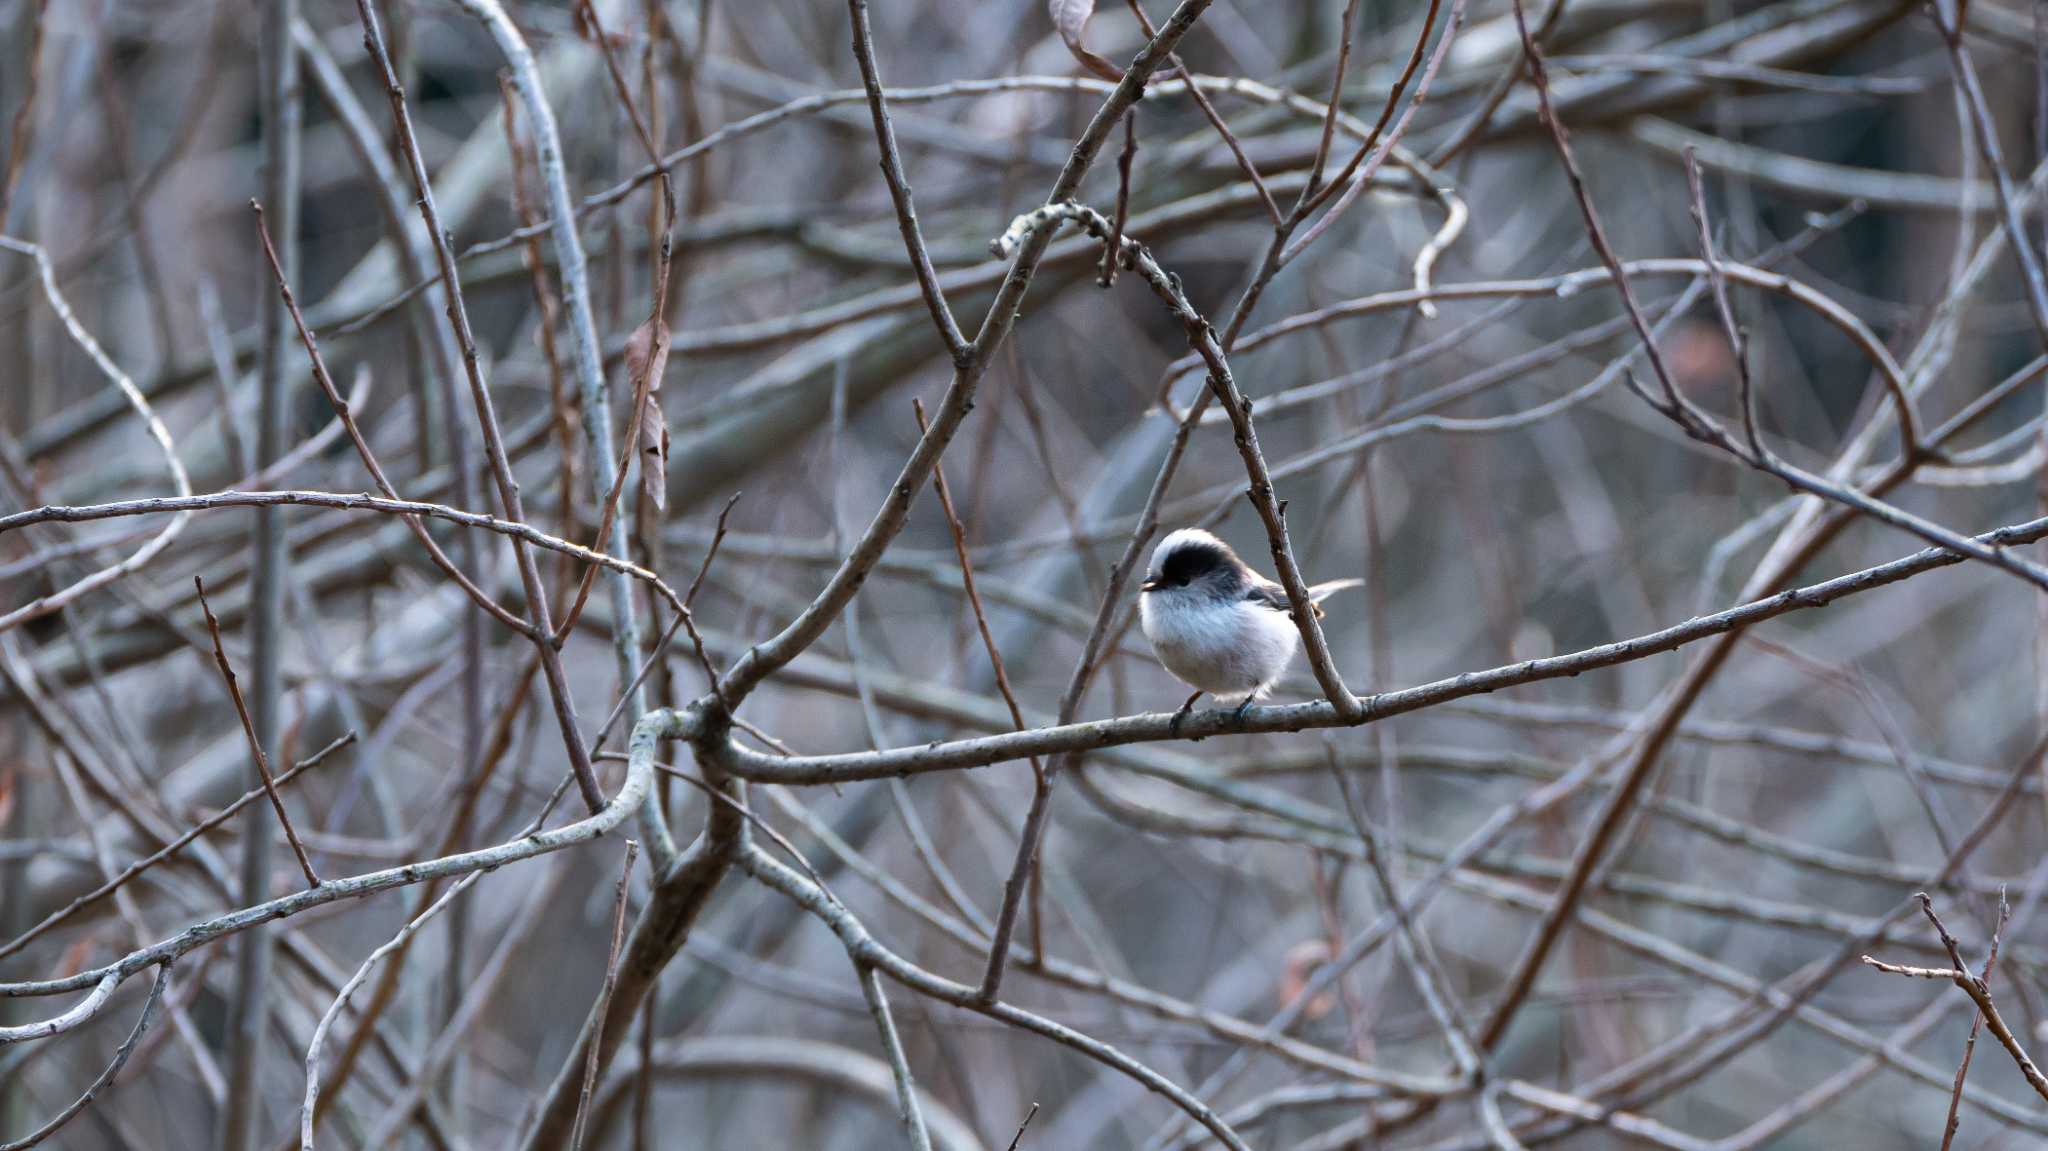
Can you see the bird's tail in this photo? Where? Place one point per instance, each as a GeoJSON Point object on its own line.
{"type": "Point", "coordinates": [1320, 592]}
{"type": "Point", "coordinates": [1317, 593]}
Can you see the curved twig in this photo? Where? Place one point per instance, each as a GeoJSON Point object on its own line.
{"type": "Point", "coordinates": [55, 601]}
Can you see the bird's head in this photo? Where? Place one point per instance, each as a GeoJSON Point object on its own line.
{"type": "Point", "coordinates": [1192, 560]}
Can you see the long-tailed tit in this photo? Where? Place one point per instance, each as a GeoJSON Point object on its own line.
{"type": "Point", "coordinates": [1217, 624]}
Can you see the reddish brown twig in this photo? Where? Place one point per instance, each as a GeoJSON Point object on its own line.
{"type": "Point", "coordinates": [684, 612]}
{"type": "Point", "coordinates": [1365, 163]}
{"type": "Point", "coordinates": [1345, 22]}
{"type": "Point", "coordinates": [227, 671]}
{"type": "Point", "coordinates": [1955, 1096]}
{"type": "Point", "coordinates": [995, 662]}
{"type": "Point", "coordinates": [611, 979]}
{"type": "Point", "coordinates": [710, 553]}
{"type": "Point", "coordinates": [1314, 196]}
{"type": "Point", "coordinates": [1539, 79]}
{"type": "Point", "coordinates": [355, 435]}
{"type": "Point", "coordinates": [988, 639]}
{"type": "Point", "coordinates": [542, 628]}
{"type": "Point", "coordinates": [169, 849]}
{"type": "Point", "coordinates": [957, 343]}
{"type": "Point", "coordinates": [1977, 987]}
{"type": "Point", "coordinates": [649, 378]}
{"type": "Point", "coordinates": [1216, 121]}
{"type": "Point", "coordinates": [1113, 251]}
{"type": "Point", "coordinates": [1738, 343]}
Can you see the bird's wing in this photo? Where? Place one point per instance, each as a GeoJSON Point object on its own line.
{"type": "Point", "coordinates": [1274, 597]}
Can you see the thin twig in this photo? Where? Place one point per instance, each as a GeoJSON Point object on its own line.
{"type": "Point", "coordinates": [587, 356]}
{"type": "Point", "coordinates": [309, 1108]}
{"type": "Point", "coordinates": [899, 187]}
{"type": "Point", "coordinates": [1347, 21]}
{"type": "Point", "coordinates": [1157, 726]}
{"type": "Point", "coordinates": [86, 513]}
{"type": "Point", "coordinates": [988, 639]}
{"type": "Point", "coordinates": [134, 562]}
{"type": "Point", "coordinates": [106, 1078]}
{"type": "Point", "coordinates": [604, 994]}
{"type": "Point", "coordinates": [1976, 987]}
{"type": "Point", "coordinates": [1955, 1096]}
{"type": "Point", "coordinates": [1002, 676]}
{"type": "Point", "coordinates": [656, 329]}
{"type": "Point", "coordinates": [696, 584]}
{"type": "Point", "coordinates": [763, 659]}
{"type": "Point", "coordinates": [542, 626]}
{"type": "Point", "coordinates": [529, 844]}
{"type": "Point", "coordinates": [1114, 248]}
{"type": "Point", "coordinates": [908, 1110]}
{"type": "Point", "coordinates": [1738, 343]}
{"type": "Point", "coordinates": [227, 672]}
{"type": "Point", "coordinates": [362, 445]}
{"type": "Point", "coordinates": [172, 848]}
{"type": "Point", "coordinates": [1017, 1140]}
{"type": "Point", "coordinates": [1216, 120]}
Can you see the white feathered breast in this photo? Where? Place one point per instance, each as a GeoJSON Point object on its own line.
{"type": "Point", "coordinates": [1232, 649]}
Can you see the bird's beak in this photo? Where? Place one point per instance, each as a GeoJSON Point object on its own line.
{"type": "Point", "coordinates": [1149, 585]}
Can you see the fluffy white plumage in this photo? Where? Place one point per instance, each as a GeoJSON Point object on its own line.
{"type": "Point", "coordinates": [1214, 622]}
{"type": "Point", "coordinates": [1234, 654]}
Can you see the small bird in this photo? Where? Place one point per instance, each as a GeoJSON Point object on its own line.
{"type": "Point", "coordinates": [1215, 623]}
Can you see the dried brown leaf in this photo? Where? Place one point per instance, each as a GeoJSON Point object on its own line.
{"type": "Point", "coordinates": [1302, 960]}
{"type": "Point", "coordinates": [646, 363]}
{"type": "Point", "coordinates": [1071, 18]}
{"type": "Point", "coordinates": [653, 454]}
